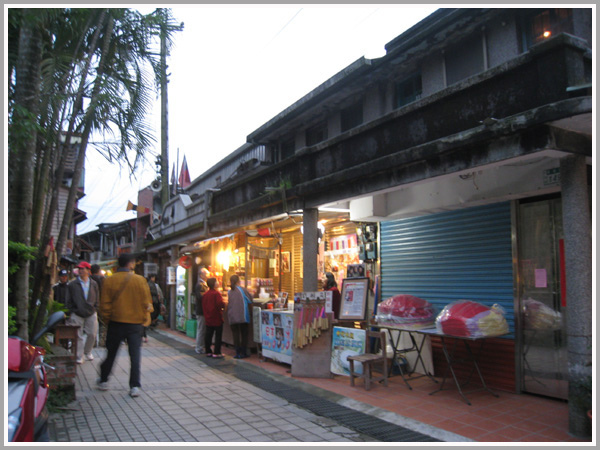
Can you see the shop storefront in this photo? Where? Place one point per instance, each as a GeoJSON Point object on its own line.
{"type": "Point", "coordinates": [506, 254]}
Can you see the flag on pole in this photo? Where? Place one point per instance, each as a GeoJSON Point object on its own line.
{"type": "Point", "coordinates": [140, 209]}
{"type": "Point", "coordinates": [184, 175]}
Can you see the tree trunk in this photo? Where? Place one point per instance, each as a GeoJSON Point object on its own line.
{"type": "Point", "coordinates": [58, 153]}
{"type": "Point", "coordinates": [21, 156]}
{"type": "Point", "coordinates": [45, 279]}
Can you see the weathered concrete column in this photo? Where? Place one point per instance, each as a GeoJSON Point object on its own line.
{"type": "Point", "coordinates": [310, 243]}
{"type": "Point", "coordinates": [578, 263]}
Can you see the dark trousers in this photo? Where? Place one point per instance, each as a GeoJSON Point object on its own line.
{"type": "Point", "coordinates": [116, 333]}
{"type": "Point", "coordinates": [240, 335]}
{"type": "Point", "coordinates": [208, 338]}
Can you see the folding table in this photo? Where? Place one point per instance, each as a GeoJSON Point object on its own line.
{"type": "Point", "coordinates": [398, 351]}
{"type": "Point", "coordinates": [452, 359]}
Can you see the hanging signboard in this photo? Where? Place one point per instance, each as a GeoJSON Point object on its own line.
{"type": "Point", "coordinates": [170, 275]}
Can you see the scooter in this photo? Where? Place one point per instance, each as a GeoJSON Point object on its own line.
{"type": "Point", "coordinates": [28, 386]}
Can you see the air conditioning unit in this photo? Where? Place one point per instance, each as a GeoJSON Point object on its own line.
{"type": "Point", "coordinates": [156, 185]}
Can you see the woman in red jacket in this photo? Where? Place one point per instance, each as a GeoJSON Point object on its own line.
{"type": "Point", "coordinates": [330, 284]}
{"type": "Point", "coordinates": [212, 307]}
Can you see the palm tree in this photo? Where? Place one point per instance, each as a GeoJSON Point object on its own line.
{"type": "Point", "coordinates": [95, 81]}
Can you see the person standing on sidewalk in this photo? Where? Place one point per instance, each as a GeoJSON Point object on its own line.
{"type": "Point", "coordinates": [98, 277]}
{"type": "Point", "coordinates": [238, 313]}
{"type": "Point", "coordinates": [125, 307]}
{"type": "Point", "coordinates": [213, 305]}
{"type": "Point", "coordinates": [329, 284]}
{"type": "Point", "coordinates": [199, 290]}
{"type": "Point", "coordinates": [157, 299]}
{"type": "Point", "coordinates": [82, 303]}
{"type": "Point", "coordinates": [61, 289]}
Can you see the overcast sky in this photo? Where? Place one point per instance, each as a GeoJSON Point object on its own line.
{"type": "Point", "coordinates": [233, 68]}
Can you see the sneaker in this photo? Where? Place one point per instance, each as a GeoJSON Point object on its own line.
{"type": "Point", "coordinates": [79, 360]}
{"type": "Point", "coordinates": [209, 355]}
{"type": "Point", "coordinates": [218, 356]}
{"type": "Point", "coordinates": [134, 392]}
{"type": "Point", "coordinates": [89, 357]}
{"type": "Point", "coordinates": [200, 352]}
{"type": "Point", "coordinates": [102, 385]}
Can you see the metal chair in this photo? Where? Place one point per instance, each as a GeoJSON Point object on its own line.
{"type": "Point", "coordinates": [375, 341]}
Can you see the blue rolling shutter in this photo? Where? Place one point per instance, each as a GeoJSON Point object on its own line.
{"type": "Point", "coordinates": [464, 254]}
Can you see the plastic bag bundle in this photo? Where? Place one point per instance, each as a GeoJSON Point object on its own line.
{"type": "Point", "coordinates": [539, 316]}
{"type": "Point", "coordinates": [472, 319]}
{"type": "Point", "coordinates": [406, 311]}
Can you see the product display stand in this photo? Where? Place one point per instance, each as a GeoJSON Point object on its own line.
{"type": "Point", "coordinates": [314, 360]}
{"type": "Point", "coordinates": [311, 352]}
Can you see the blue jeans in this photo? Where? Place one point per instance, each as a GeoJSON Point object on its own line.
{"type": "Point", "coordinates": [116, 333]}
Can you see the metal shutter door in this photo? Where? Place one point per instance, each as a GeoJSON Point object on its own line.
{"type": "Point", "coordinates": [464, 254]}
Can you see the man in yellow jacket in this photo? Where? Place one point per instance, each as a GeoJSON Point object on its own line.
{"type": "Point", "coordinates": [125, 306]}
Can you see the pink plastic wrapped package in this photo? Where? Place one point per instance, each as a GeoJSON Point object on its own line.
{"type": "Point", "coordinates": [406, 311]}
{"type": "Point", "coordinates": [539, 316]}
{"type": "Point", "coordinates": [472, 319]}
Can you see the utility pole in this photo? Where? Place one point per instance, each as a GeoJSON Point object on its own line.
{"type": "Point", "coordinates": [164, 118]}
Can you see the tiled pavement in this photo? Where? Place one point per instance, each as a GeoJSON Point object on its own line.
{"type": "Point", "coordinates": [506, 418]}
{"type": "Point", "coordinates": [186, 398]}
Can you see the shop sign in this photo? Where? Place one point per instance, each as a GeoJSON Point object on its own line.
{"type": "Point", "coordinates": [346, 342]}
{"type": "Point", "coordinates": [170, 275]}
{"type": "Point", "coordinates": [185, 261]}
{"type": "Point", "coordinates": [552, 176]}
{"type": "Point", "coordinates": [150, 269]}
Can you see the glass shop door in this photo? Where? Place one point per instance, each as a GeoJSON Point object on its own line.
{"type": "Point", "coordinates": [542, 300]}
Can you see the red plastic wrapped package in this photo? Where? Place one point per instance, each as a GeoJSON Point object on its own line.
{"type": "Point", "coordinates": [405, 311]}
{"type": "Point", "coordinates": [472, 319]}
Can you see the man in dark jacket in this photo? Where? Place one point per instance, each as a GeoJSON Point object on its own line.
{"type": "Point", "coordinates": [82, 303]}
{"type": "Point", "coordinates": [199, 290]}
{"type": "Point", "coordinates": [61, 290]}
{"type": "Point", "coordinates": [97, 276]}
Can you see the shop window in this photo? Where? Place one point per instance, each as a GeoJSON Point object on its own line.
{"type": "Point", "coordinates": [352, 116]}
{"type": "Point", "coordinates": [543, 24]}
{"type": "Point", "coordinates": [465, 59]}
{"type": "Point", "coordinates": [316, 134]}
{"type": "Point", "coordinates": [408, 90]}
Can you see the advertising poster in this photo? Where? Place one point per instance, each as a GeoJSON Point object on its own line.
{"type": "Point", "coordinates": [346, 342]}
{"type": "Point", "coordinates": [354, 298]}
{"type": "Point", "coordinates": [276, 333]}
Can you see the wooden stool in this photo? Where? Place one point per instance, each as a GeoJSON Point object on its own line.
{"type": "Point", "coordinates": [67, 337]}
{"type": "Point", "coordinates": [368, 360]}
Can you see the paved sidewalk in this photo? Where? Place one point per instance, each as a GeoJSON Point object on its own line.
{"type": "Point", "coordinates": [188, 398]}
